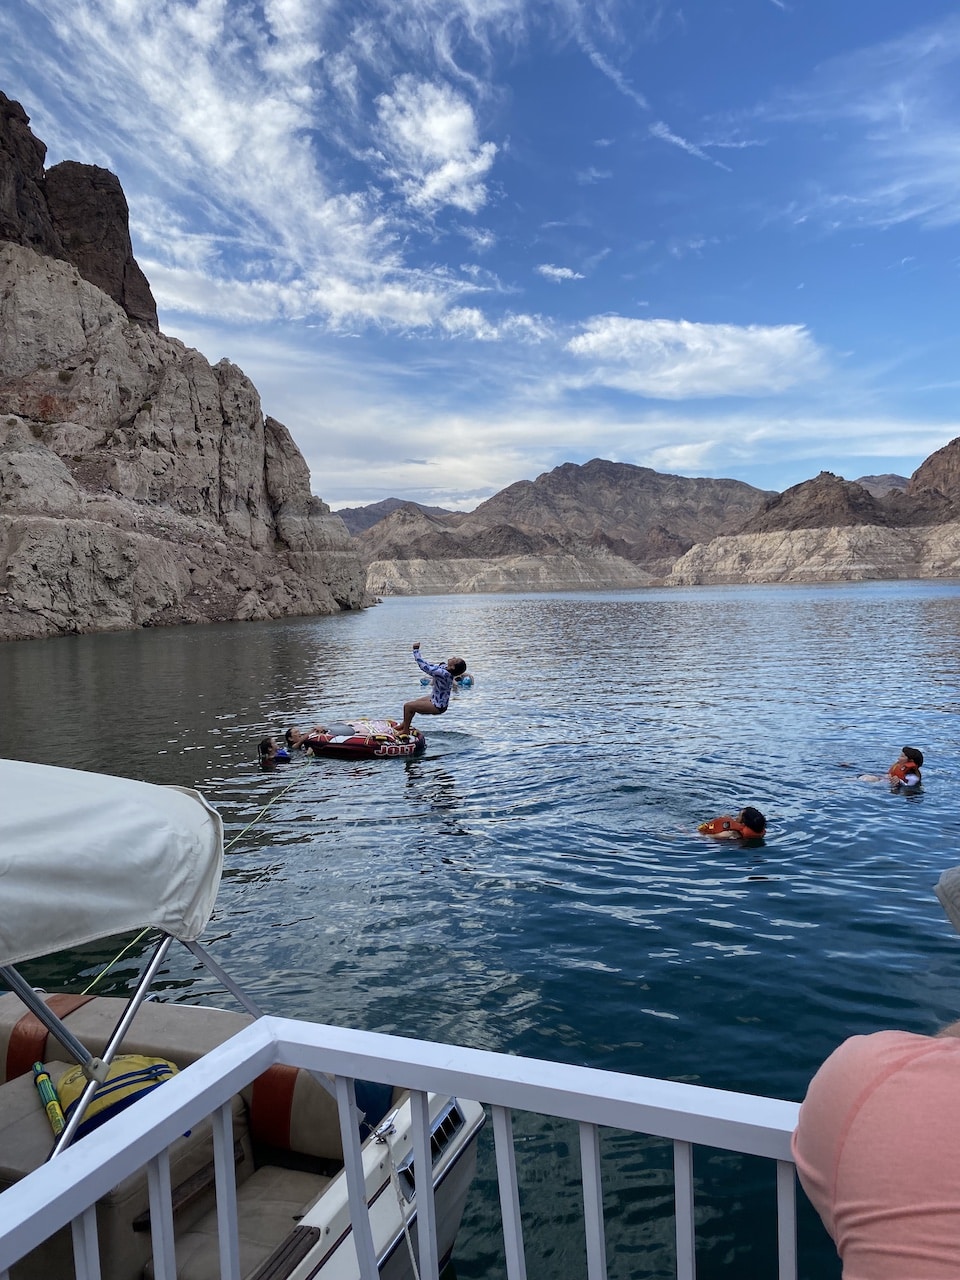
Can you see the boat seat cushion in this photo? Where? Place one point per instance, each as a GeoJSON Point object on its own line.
{"type": "Point", "coordinates": [270, 1205]}
{"type": "Point", "coordinates": [289, 1109]}
{"type": "Point", "coordinates": [25, 1142]}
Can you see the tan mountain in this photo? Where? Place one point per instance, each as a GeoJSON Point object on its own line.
{"type": "Point", "coordinates": [139, 485]}
{"type": "Point", "coordinates": [830, 529]}
{"type": "Point", "coordinates": [881, 486]}
{"type": "Point", "coordinates": [607, 524]}
{"type": "Point", "coordinates": [358, 519]}
{"type": "Point", "coordinates": [610, 525]}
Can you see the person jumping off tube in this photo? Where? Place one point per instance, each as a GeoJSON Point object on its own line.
{"type": "Point", "coordinates": [435, 703]}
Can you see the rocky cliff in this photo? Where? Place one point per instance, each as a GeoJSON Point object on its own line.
{"type": "Point", "coordinates": [139, 485]}
{"type": "Point", "coordinates": [76, 212]}
{"type": "Point", "coordinates": [830, 529]}
{"type": "Point", "coordinates": [851, 553]}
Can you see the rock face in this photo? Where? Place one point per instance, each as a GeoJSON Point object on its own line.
{"type": "Point", "coordinates": [828, 529]}
{"type": "Point", "coordinates": [827, 502]}
{"type": "Point", "coordinates": [503, 574]}
{"type": "Point", "coordinates": [848, 554]}
{"type": "Point", "coordinates": [76, 212]}
{"type": "Point", "coordinates": [139, 485]}
{"type": "Point", "coordinates": [606, 524]}
{"type": "Point", "coordinates": [940, 474]}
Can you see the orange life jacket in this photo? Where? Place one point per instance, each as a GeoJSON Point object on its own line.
{"type": "Point", "coordinates": [901, 769]}
{"type": "Point", "coordinates": [721, 826]}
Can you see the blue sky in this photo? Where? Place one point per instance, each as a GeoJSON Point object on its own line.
{"type": "Point", "coordinates": [456, 243]}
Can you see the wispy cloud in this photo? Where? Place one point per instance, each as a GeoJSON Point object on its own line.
{"type": "Point", "coordinates": [587, 177]}
{"type": "Point", "coordinates": [693, 245]}
{"type": "Point", "coordinates": [220, 111]}
{"type": "Point", "coordinates": [558, 274]}
{"type": "Point", "coordinates": [614, 75]}
{"type": "Point", "coordinates": [894, 111]}
{"type": "Point", "coordinates": [662, 131]}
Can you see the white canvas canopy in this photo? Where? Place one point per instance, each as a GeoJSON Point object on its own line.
{"type": "Point", "coordinates": [87, 855]}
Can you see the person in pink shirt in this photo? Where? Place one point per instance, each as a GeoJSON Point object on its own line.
{"type": "Point", "coordinates": [877, 1147]}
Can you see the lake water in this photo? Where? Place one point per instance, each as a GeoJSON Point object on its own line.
{"type": "Point", "coordinates": [534, 882]}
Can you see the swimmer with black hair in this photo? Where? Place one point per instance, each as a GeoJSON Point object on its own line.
{"type": "Point", "coordinates": [904, 773]}
{"type": "Point", "coordinates": [298, 741]}
{"type": "Point", "coordinates": [749, 824]}
{"type": "Point", "coordinates": [270, 753]}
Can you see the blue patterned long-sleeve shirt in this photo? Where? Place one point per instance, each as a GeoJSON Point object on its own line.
{"type": "Point", "coordinates": [441, 677]}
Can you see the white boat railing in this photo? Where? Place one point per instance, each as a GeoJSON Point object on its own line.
{"type": "Point", "coordinates": [66, 1189]}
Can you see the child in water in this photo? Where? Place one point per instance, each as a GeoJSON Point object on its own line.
{"type": "Point", "coordinates": [442, 676]}
{"type": "Point", "coordinates": [904, 772]}
{"type": "Point", "coordinates": [270, 753]}
{"type": "Point", "coordinates": [298, 741]}
{"type": "Point", "coordinates": [749, 824]}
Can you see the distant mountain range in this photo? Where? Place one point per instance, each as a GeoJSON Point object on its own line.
{"type": "Point", "coordinates": [613, 524]}
{"type": "Point", "coordinates": [358, 519]}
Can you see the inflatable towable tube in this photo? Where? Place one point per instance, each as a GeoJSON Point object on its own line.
{"type": "Point", "coordinates": [363, 738]}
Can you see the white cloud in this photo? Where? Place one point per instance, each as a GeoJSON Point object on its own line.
{"type": "Point", "coordinates": [482, 239]}
{"type": "Point", "coordinates": [688, 459]}
{"type": "Point", "coordinates": [558, 274]}
{"type": "Point", "coordinates": [675, 359]}
{"type": "Point", "coordinates": [469, 322]}
{"type": "Point", "coordinates": [428, 134]}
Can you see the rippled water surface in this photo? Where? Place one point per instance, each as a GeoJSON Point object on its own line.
{"type": "Point", "coordinates": [535, 882]}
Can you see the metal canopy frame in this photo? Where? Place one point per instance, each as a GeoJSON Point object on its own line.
{"type": "Point", "coordinates": [96, 1068]}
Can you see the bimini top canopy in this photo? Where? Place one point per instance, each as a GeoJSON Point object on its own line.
{"type": "Point", "coordinates": [86, 855]}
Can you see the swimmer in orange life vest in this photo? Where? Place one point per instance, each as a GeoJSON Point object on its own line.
{"type": "Point", "coordinates": [749, 824]}
{"type": "Point", "coordinates": [904, 772]}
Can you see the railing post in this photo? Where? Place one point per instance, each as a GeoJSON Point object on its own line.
{"type": "Point", "coordinates": [356, 1182]}
{"type": "Point", "coordinates": [509, 1194]}
{"type": "Point", "coordinates": [591, 1179]}
{"type": "Point", "coordinates": [786, 1220]}
{"type": "Point", "coordinates": [683, 1211]}
{"type": "Point", "coordinates": [225, 1178]}
{"type": "Point", "coordinates": [423, 1182]}
{"type": "Point", "coordinates": [161, 1217]}
{"type": "Point", "coordinates": [86, 1246]}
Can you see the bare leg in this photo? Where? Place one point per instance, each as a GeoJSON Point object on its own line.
{"type": "Point", "coordinates": [416, 707]}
